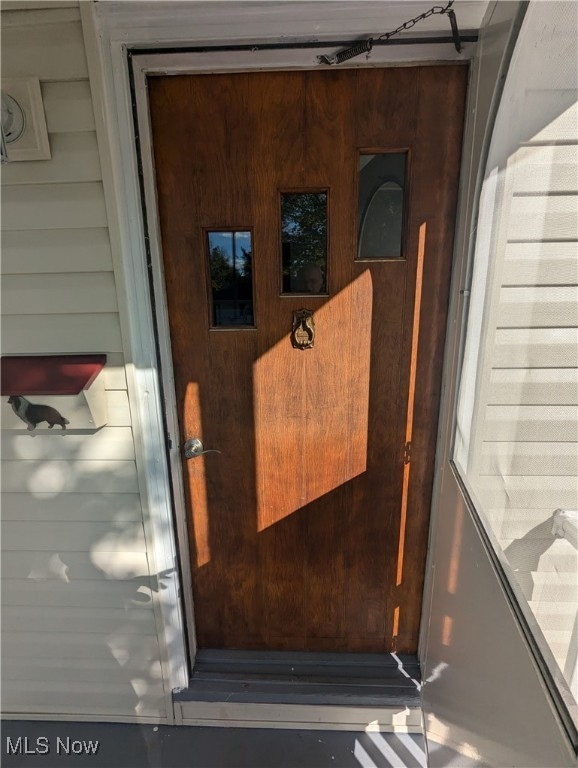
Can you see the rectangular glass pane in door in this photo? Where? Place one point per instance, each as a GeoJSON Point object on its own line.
{"type": "Point", "coordinates": [304, 242]}
{"type": "Point", "coordinates": [231, 278]}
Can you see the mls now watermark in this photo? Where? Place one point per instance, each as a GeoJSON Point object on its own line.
{"type": "Point", "coordinates": [42, 745]}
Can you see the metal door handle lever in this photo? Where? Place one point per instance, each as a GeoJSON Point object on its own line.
{"type": "Point", "coordinates": [194, 447]}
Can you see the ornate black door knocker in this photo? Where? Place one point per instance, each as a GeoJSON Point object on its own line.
{"type": "Point", "coordinates": [303, 334]}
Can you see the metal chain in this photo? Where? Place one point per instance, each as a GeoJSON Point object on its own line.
{"type": "Point", "coordinates": [365, 46]}
{"type": "Point", "coordinates": [437, 9]}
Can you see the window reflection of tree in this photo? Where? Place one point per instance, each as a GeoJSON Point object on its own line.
{"type": "Point", "coordinates": [231, 279]}
{"type": "Point", "coordinates": [303, 234]}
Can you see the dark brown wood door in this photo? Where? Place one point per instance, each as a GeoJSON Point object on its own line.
{"type": "Point", "coordinates": [308, 531]}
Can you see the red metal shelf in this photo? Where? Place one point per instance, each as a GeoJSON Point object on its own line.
{"type": "Point", "coordinates": [49, 374]}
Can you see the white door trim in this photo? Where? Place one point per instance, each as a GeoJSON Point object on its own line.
{"type": "Point", "coordinates": [110, 90]}
{"type": "Point", "coordinates": [109, 39]}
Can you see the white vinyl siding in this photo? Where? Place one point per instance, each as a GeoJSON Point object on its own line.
{"type": "Point", "coordinates": [79, 636]}
{"type": "Point", "coordinates": [522, 450]}
{"type": "Point", "coordinates": [40, 251]}
{"type": "Point", "coordinates": [52, 206]}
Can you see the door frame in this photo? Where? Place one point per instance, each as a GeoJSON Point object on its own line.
{"type": "Point", "coordinates": [118, 74]}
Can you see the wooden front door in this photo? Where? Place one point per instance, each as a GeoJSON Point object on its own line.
{"type": "Point", "coordinates": [308, 531]}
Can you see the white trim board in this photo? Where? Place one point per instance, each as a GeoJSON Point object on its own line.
{"type": "Point", "coordinates": [113, 119]}
{"type": "Point", "coordinates": [82, 718]}
{"type": "Point", "coordinates": [299, 716]}
{"type": "Point", "coordinates": [165, 23]}
{"type": "Point", "coordinates": [108, 37]}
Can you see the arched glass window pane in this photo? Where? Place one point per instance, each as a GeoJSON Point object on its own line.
{"type": "Point", "coordinates": [381, 206]}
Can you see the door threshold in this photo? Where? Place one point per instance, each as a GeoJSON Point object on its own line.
{"type": "Point", "coordinates": [303, 690]}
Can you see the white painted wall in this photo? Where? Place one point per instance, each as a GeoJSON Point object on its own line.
{"type": "Point", "coordinates": [79, 633]}
{"type": "Point", "coordinates": [483, 691]}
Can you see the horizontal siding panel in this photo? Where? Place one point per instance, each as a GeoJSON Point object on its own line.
{"type": "Point", "coordinates": [564, 612]}
{"type": "Point", "coordinates": [554, 458]}
{"type": "Point", "coordinates": [108, 444]}
{"type": "Point", "coordinates": [554, 554]}
{"type": "Point", "coordinates": [55, 477]}
{"type": "Point", "coordinates": [64, 293]}
{"type": "Point", "coordinates": [555, 271]}
{"type": "Point", "coordinates": [40, 16]}
{"type": "Point", "coordinates": [540, 423]}
{"type": "Point", "coordinates": [66, 566]}
{"type": "Point", "coordinates": [551, 217]}
{"type": "Point", "coordinates": [132, 694]}
{"type": "Point", "coordinates": [54, 51]}
{"type": "Point", "coordinates": [56, 250]}
{"type": "Point", "coordinates": [135, 619]}
{"type": "Point", "coordinates": [539, 521]}
{"type": "Point", "coordinates": [58, 594]}
{"type": "Point", "coordinates": [60, 537]}
{"type": "Point", "coordinates": [61, 334]}
{"type": "Point", "coordinates": [540, 263]}
{"type": "Point", "coordinates": [535, 348]}
{"type": "Point", "coordinates": [74, 645]}
{"type": "Point", "coordinates": [546, 169]}
{"type": "Point", "coordinates": [539, 179]}
{"type": "Point", "coordinates": [29, 699]}
{"type": "Point", "coordinates": [18, 5]}
{"type": "Point", "coordinates": [540, 251]}
{"type": "Point", "coordinates": [74, 159]}
{"type": "Point", "coordinates": [533, 386]}
{"type": "Point", "coordinates": [43, 706]}
{"type": "Point", "coordinates": [538, 307]}
{"type": "Point", "coordinates": [80, 671]}
{"type": "Point", "coordinates": [68, 106]}
{"type": "Point", "coordinates": [114, 359]}
{"type": "Point", "coordinates": [114, 377]}
{"type": "Point", "coordinates": [551, 586]}
{"type": "Point", "coordinates": [100, 507]}
{"type": "Point", "coordinates": [561, 556]}
{"type": "Point", "coordinates": [118, 408]}
{"type": "Point", "coordinates": [560, 639]}
{"type": "Point", "coordinates": [530, 492]}
{"type": "Point", "coordinates": [563, 126]}
{"type": "Point", "coordinates": [542, 271]}
{"type": "Point", "coordinates": [559, 651]}
{"type": "Point", "coordinates": [53, 206]}
{"type": "Point", "coordinates": [122, 688]}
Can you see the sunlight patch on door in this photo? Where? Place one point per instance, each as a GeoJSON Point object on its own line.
{"type": "Point", "coordinates": [312, 432]}
{"type": "Point", "coordinates": [197, 480]}
{"type": "Point", "coordinates": [411, 400]}
{"type": "Point", "coordinates": [395, 631]}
